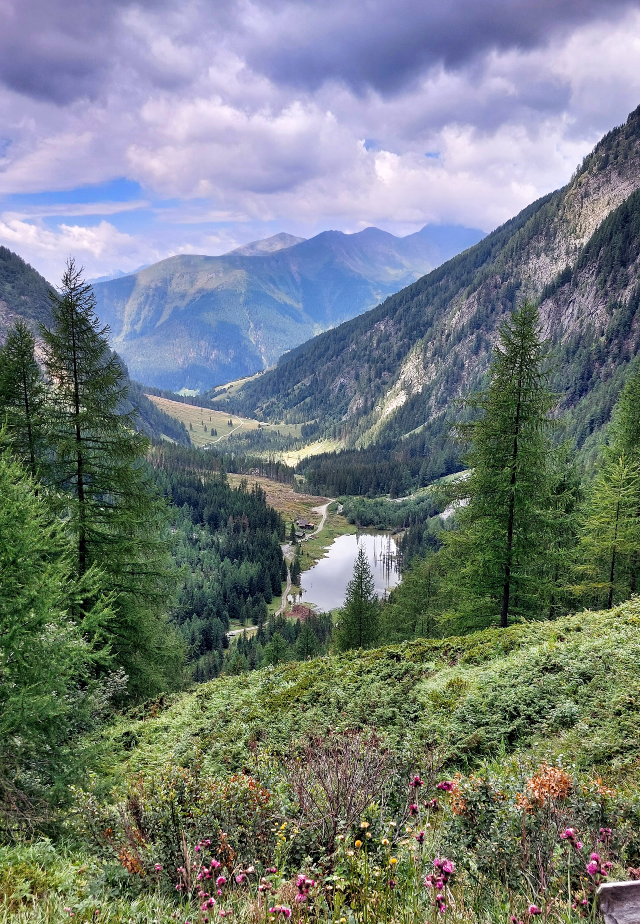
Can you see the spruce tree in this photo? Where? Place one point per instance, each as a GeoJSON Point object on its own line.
{"type": "Point", "coordinates": [113, 513]}
{"type": "Point", "coordinates": [357, 623]}
{"type": "Point", "coordinates": [23, 400]}
{"type": "Point", "coordinates": [495, 557]}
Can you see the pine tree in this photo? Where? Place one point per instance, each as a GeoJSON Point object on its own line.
{"type": "Point", "coordinates": [611, 532]}
{"type": "Point", "coordinates": [495, 557]}
{"type": "Point", "coordinates": [47, 697]}
{"type": "Point", "coordinates": [307, 645]}
{"type": "Point", "coordinates": [23, 399]}
{"type": "Point", "coordinates": [626, 441]}
{"type": "Point", "coordinates": [357, 623]}
{"type": "Point", "coordinates": [113, 513]}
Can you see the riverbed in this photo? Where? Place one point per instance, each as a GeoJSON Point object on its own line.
{"type": "Point", "coordinates": [325, 584]}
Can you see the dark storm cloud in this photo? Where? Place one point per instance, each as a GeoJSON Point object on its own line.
{"type": "Point", "coordinates": [385, 44]}
{"type": "Point", "coordinates": [60, 50]}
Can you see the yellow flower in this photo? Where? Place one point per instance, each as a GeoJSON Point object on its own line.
{"type": "Point", "coordinates": [384, 842]}
{"type": "Point", "coordinates": [393, 861]}
{"type": "Point", "coordinates": [364, 824]}
{"type": "Point", "coordinates": [358, 843]}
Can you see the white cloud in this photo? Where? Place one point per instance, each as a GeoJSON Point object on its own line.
{"type": "Point", "coordinates": [182, 112]}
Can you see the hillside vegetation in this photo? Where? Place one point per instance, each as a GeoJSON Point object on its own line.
{"type": "Point", "coordinates": [485, 750]}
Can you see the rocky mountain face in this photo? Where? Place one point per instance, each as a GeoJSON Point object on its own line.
{"type": "Point", "coordinates": [392, 374]}
{"type": "Point", "coordinates": [197, 321]}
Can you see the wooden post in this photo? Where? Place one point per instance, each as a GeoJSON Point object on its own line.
{"type": "Point", "coordinates": [620, 902]}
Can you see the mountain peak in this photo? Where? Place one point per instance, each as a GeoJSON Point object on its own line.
{"type": "Point", "coordinates": [268, 245]}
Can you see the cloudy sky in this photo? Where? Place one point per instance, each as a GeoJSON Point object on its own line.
{"type": "Point", "coordinates": [133, 131]}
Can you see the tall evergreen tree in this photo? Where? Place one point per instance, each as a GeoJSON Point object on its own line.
{"type": "Point", "coordinates": [611, 532]}
{"type": "Point", "coordinates": [494, 558]}
{"type": "Point", "coordinates": [626, 441]}
{"type": "Point", "coordinates": [357, 624]}
{"type": "Point", "coordinates": [112, 509]}
{"type": "Point", "coordinates": [47, 696]}
{"type": "Point", "coordinates": [23, 399]}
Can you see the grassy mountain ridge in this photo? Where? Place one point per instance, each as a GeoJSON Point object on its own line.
{"type": "Point", "coordinates": [395, 370]}
{"type": "Point", "coordinates": [196, 321]}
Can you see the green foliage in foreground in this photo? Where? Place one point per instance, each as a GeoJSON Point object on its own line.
{"type": "Point", "coordinates": [561, 687]}
{"type": "Point", "coordinates": [519, 722]}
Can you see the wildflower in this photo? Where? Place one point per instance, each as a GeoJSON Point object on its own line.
{"type": "Point", "coordinates": [533, 910]}
{"type": "Point", "coordinates": [240, 878]}
{"type": "Point", "coordinates": [364, 824]}
{"type": "Point", "coordinates": [392, 883]}
{"type": "Point", "coordinates": [220, 881]}
{"type": "Point", "coordinates": [604, 835]}
{"type": "Point", "coordinates": [445, 786]}
{"type": "Point", "coordinates": [158, 867]}
{"type": "Point", "coordinates": [416, 782]}
{"type": "Point", "coordinates": [384, 842]}
{"type": "Point", "coordinates": [433, 805]}
{"type": "Point", "coordinates": [592, 868]}
{"type": "Point", "coordinates": [413, 809]}
{"type": "Point", "coordinates": [280, 909]}
{"type": "Point", "coordinates": [393, 860]}
{"type": "Point", "coordinates": [420, 838]}
{"type": "Point", "coordinates": [369, 835]}
{"type": "Point", "coordinates": [358, 844]}
{"type": "Point", "coordinates": [274, 869]}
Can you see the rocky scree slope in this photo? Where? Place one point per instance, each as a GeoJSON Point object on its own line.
{"type": "Point", "coordinates": [197, 321]}
{"type": "Point", "coordinates": [392, 373]}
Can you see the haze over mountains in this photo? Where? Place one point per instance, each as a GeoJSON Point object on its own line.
{"type": "Point", "coordinates": [391, 376]}
{"type": "Point", "coordinates": [197, 321]}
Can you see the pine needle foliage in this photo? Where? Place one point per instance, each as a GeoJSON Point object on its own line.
{"type": "Point", "coordinates": [112, 510]}
{"type": "Point", "coordinates": [495, 557]}
{"type": "Point", "coordinates": [357, 625]}
{"type": "Point", "coordinates": [23, 400]}
{"type": "Point", "coordinates": [47, 658]}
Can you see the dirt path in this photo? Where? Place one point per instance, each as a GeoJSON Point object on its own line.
{"type": "Point", "coordinates": [323, 510]}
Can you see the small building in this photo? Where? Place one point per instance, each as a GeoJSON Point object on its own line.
{"type": "Point", "coordinates": [299, 611]}
{"type": "Point", "coordinates": [302, 523]}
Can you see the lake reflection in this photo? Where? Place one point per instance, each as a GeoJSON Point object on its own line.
{"type": "Point", "coordinates": [325, 584]}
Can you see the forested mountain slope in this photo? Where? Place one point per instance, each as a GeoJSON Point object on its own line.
{"type": "Point", "coordinates": [197, 321]}
{"type": "Point", "coordinates": [396, 370]}
{"type": "Point", "coordinates": [24, 296]}
{"type": "Point", "coordinates": [24, 293]}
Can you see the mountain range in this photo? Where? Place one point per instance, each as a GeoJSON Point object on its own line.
{"type": "Point", "coordinates": [390, 377]}
{"type": "Point", "coordinates": [197, 321]}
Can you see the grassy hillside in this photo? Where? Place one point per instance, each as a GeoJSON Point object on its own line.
{"type": "Point", "coordinates": [566, 687]}
{"type": "Point", "coordinates": [514, 753]}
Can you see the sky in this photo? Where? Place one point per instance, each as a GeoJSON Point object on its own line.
{"type": "Point", "coordinates": [130, 132]}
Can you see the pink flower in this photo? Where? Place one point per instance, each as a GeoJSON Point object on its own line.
{"type": "Point", "coordinates": [533, 909]}
{"type": "Point", "coordinates": [420, 838]}
{"type": "Point", "coordinates": [413, 809]}
{"type": "Point", "coordinates": [445, 786]}
{"type": "Point", "coordinates": [416, 782]}
{"type": "Point", "coordinates": [272, 869]}
{"type": "Point", "coordinates": [158, 867]}
{"type": "Point", "coordinates": [220, 881]}
{"type": "Point", "coordinates": [592, 868]}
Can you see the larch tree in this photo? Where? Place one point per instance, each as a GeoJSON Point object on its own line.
{"type": "Point", "coordinates": [494, 559]}
{"type": "Point", "coordinates": [357, 623]}
{"type": "Point", "coordinates": [23, 400]}
{"type": "Point", "coordinates": [113, 512]}
{"type": "Point", "coordinates": [626, 441]}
